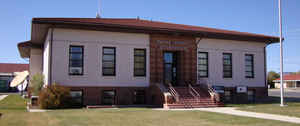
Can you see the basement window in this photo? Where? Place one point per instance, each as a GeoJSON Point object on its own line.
{"type": "Point", "coordinates": [139, 97]}
{"type": "Point", "coordinates": [76, 98]}
{"type": "Point", "coordinates": [108, 97]}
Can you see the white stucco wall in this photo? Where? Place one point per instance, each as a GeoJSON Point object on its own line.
{"type": "Point", "coordinates": [216, 48]}
{"type": "Point", "coordinates": [46, 52]}
{"type": "Point", "coordinates": [93, 41]}
{"type": "Point", "coordinates": [36, 62]}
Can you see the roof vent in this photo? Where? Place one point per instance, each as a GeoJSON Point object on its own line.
{"type": "Point", "coordinates": [98, 11]}
{"type": "Point", "coordinates": [98, 15]}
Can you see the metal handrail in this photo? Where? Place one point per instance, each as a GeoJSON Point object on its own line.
{"type": "Point", "coordinates": [194, 92]}
{"type": "Point", "coordinates": [173, 92]}
{"type": "Point", "coordinates": [210, 89]}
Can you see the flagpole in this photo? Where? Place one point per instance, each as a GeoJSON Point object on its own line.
{"type": "Point", "coordinates": [281, 57]}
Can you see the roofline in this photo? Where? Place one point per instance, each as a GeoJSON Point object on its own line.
{"type": "Point", "coordinates": [284, 80]}
{"type": "Point", "coordinates": [203, 34]}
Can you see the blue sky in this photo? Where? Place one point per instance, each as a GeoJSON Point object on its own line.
{"type": "Point", "coordinates": [256, 16]}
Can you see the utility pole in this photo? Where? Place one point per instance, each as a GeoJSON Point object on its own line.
{"type": "Point", "coordinates": [281, 57]}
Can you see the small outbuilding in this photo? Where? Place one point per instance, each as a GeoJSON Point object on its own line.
{"type": "Point", "coordinates": [7, 73]}
{"type": "Point", "coordinates": [289, 81]}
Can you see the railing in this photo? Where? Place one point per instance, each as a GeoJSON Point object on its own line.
{"type": "Point", "coordinates": [193, 92]}
{"type": "Point", "coordinates": [174, 92]}
{"type": "Point", "coordinates": [213, 94]}
{"type": "Point", "coordinates": [210, 89]}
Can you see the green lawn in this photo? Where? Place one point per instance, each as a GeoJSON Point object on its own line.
{"type": "Point", "coordinates": [14, 114]}
{"type": "Point", "coordinates": [293, 108]}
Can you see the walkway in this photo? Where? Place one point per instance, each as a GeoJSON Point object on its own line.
{"type": "Point", "coordinates": [233, 111]}
{"type": "Point", "coordinates": [2, 97]}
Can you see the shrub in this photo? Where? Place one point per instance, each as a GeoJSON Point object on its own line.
{"type": "Point", "coordinates": [54, 97]}
{"type": "Point", "coordinates": [37, 83]}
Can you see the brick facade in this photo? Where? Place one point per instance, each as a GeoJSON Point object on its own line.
{"type": "Point", "coordinates": [259, 92]}
{"type": "Point", "coordinates": [187, 60]}
{"type": "Point", "coordinates": [124, 95]}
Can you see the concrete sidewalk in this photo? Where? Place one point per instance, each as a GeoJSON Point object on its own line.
{"type": "Point", "coordinates": [2, 97]}
{"type": "Point", "coordinates": [233, 111]}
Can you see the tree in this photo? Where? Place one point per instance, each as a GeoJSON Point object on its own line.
{"type": "Point", "coordinates": [272, 76]}
{"type": "Point", "coordinates": [37, 83]}
{"type": "Point", "coordinates": [298, 72]}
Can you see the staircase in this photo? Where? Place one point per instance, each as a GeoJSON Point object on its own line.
{"type": "Point", "coordinates": [192, 97]}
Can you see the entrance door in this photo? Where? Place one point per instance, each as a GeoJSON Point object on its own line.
{"type": "Point", "coordinates": [170, 68]}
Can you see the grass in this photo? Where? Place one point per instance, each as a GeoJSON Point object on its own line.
{"type": "Point", "coordinates": [292, 108]}
{"type": "Point", "coordinates": [14, 114]}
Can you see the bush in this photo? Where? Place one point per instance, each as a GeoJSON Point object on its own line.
{"type": "Point", "coordinates": [54, 97]}
{"type": "Point", "coordinates": [37, 83]}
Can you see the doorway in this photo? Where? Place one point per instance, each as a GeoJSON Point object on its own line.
{"type": "Point", "coordinates": [170, 68]}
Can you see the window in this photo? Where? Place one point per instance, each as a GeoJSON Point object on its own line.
{"type": "Point", "coordinates": [227, 65]}
{"type": "Point", "coordinates": [249, 66]}
{"type": "Point", "coordinates": [251, 95]}
{"type": "Point", "coordinates": [202, 64]}
{"type": "Point", "coordinates": [139, 97]}
{"type": "Point", "coordinates": [76, 60]}
{"type": "Point", "coordinates": [139, 62]}
{"type": "Point", "coordinates": [227, 95]}
{"type": "Point", "coordinates": [108, 97]}
{"type": "Point", "coordinates": [109, 61]}
{"type": "Point", "coordinates": [76, 98]}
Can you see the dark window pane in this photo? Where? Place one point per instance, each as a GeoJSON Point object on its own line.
{"type": "Point", "coordinates": [139, 72]}
{"type": "Point", "coordinates": [227, 68]}
{"type": "Point", "coordinates": [168, 57]}
{"type": "Point", "coordinates": [75, 70]}
{"type": "Point", "coordinates": [227, 62]}
{"type": "Point", "coordinates": [108, 57]}
{"type": "Point", "coordinates": [202, 67]}
{"type": "Point", "coordinates": [227, 74]}
{"type": "Point", "coordinates": [202, 73]}
{"type": "Point", "coordinates": [76, 60]}
{"type": "Point", "coordinates": [139, 97]}
{"type": "Point", "coordinates": [227, 65]}
{"type": "Point", "coordinates": [139, 65]}
{"type": "Point", "coordinates": [108, 64]}
{"type": "Point", "coordinates": [108, 61]}
{"type": "Point", "coordinates": [202, 61]}
{"type": "Point", "coordinates": [139, 59]}
{"type": "Point", "coordinates": [249, 63]}
{"type": "Point", "coordinates": [75, 56]}
{"type": "Point", "coordinates": [108, 97]}
{"type": "Point", "coordinates": [139, 52]}
{"type": "Point", "coordinates": [76, 63]}
{"type": "Point", "coordinates": [202, 64]}
{"type": "Point", "coordinates": [108, 71]}
{"type": "Point", "coordinates": [76, 49]}
{"type": "Point", "coordinates": [76, 97]}
{"type": "Point", "coordinates": [202, 55]}
{"type": "Point", "coordinates": [227, 56]}
{"type": "Point", "coordinates": [109, 51]}
{"type": "Point", "coordinates": [249, 66]}
{"type": "Point", "coordinates": [139, 62]}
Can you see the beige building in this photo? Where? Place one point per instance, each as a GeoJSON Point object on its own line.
{"type": "Point", "coordinates": [132, 61]}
